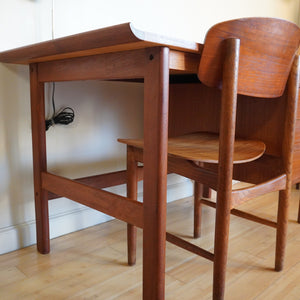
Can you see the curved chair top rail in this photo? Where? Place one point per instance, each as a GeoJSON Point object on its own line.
{"type": "Point", "coordinates": [267, 50]}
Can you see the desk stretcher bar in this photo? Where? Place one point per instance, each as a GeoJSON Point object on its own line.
{"type": "Point", "coordinates": [120, 207]}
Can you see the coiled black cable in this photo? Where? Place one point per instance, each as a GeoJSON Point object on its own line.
{"type": "Point", "coordinates": [64, 117]}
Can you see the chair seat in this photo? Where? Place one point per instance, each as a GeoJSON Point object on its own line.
{"type": "Point", "coordinates": [204, 147]}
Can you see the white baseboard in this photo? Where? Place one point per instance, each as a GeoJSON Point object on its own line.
{"type": "Point", "coordinates": [22, 235]}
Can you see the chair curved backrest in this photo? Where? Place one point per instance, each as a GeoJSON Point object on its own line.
{"type": "Point", "coordinates": [267, 49]}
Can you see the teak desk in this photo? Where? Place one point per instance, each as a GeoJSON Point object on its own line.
{"type": "Point", "coordinates": [115, 53]}
{"type": "Point", "coordinates": [123, 53]}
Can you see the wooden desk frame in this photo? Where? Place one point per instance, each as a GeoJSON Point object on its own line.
{"type": "Point", "coordinates": [116, 53]}
{"type": "Point", "coordinates": [152, 65]}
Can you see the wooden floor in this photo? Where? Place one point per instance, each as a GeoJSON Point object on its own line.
{"type": "Point", "coordinates": [91, 264]}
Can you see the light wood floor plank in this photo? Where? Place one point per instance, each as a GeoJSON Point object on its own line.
{"type": "Point", "coordinates": [91, 264]}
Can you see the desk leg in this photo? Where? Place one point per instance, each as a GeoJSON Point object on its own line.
{"type": "Point", "coordinates": [39, 160]}
{"type": "Point", "coordinates": [156, 89]}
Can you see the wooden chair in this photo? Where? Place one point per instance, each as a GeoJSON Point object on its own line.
{"type": "Point", "coordinates": [254, 57]}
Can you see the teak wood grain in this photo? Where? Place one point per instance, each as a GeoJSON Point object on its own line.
{"type": "Point", "coordinates": [200, 191]}
{"type": "Point", "coordinates": [204, 147]}
{"type": "Point", "coordinates": [267, 74]}
{"type": "Point", "coordinates": [112, 66]}
{"type": "Point", "coordinates": [128, 65]}
{"type": "Point", "coordinates": [106, 202]}
{"type": "Point", "coordinates": [122, 37]}
{"type": "Point", "coordinates": [244, 194]}
{"type": "Point", "coordinates": [156, 103]}
{"type": "Point", "coordinates": [39, 159]}
{"type": "Point", "coordinates": [225, 169]}
{"type": "Point", "coordinates": [103, 180]}
{"type": "Point", "coordinates": [132, 180]}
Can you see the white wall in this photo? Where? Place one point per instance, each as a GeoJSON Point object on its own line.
{"type": "Point", "coordinates": [189, 19]}
{"type": "Point", "coordinates": [104, 110]}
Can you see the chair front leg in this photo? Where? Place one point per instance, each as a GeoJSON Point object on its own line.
{"type": "Point", "coordinates": [225, 168]}
{"type": "Point", "coordinates": [221, 246]}
{"type": "Point", "coordinates": [132, 181]}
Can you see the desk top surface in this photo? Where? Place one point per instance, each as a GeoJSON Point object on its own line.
{"type": "Point", "coordinates": [105, 40]}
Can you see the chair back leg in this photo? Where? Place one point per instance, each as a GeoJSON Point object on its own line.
{"type": "Point", "coordinates": [281, 232]}
{"type": "Point", "coordinates": [200, 191]}
{"type": "Point", "coordinates": [132, 181]}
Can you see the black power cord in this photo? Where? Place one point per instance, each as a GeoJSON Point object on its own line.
{"type": "Point", "coordinates": [64, 117]}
